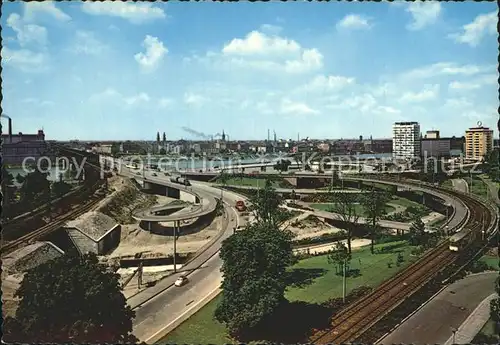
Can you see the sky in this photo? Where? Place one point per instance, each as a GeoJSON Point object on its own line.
{"type": "Point", "coordinates": [126, 70]}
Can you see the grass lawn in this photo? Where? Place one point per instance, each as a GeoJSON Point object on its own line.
{"type": "Point", "coordinates": [447, 183]}
{"type": "Point", "coordinates": [313, 280]}
{"type": "Point", "coordinates": [405, 202]}
{"type": "Point", "coordinates": [478, 186]}
{"type": "Point", "coordinates": [359, 208]}
{"type": "Point", "coordinates": [491, 261]}
{"type": "Point", "coordinates": [488, 328]}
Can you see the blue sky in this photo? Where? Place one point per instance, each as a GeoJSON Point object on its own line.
{"type": "Point", "coordinates": [123, 70]}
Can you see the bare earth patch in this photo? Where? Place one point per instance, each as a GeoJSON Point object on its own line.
{"type": "Point", "coordinates": [307, 225]}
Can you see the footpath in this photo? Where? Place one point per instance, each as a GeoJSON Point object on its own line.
{"type": "Point", "coordinates": [473, 324]}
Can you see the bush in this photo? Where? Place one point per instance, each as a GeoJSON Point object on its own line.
{"type": "Point", "coordinates": [478, 266]}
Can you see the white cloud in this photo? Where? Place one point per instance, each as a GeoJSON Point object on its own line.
{"type": "Point", "coordinates": [32, 9]}
{"type": "Point", "coordinates": [429, 93]}
{"type": "Point", "coordinates": [456, 85]}
{"type": "Point", "coordinates": [257, 43]}
{"type": "Point", "coordinates": [27, 33]}
{"type": "Point", "coordinates": [383, 109]}
{"type": "Point", "coordinates": [353, 21]}
{"type": "Point", "coordinates": [194, 99]}
{"type": "Point", "coordinates": [474, 32]}
{"type": "Point", "coordinates": [155, 51]}
{"type": "Point", "coordinates": [423, 14]}
{"type": "Point", "coordinates": [271, 29]}
{"type": "Point", "coordinates": [264, 52]}
{"type": "Point", "coordinates": [289, 107]}
{"type": "Point", "coordinates": [474, 84]}
{"type": "Point", "coordinates": [458, 103]}
{"type": "Point", "coordinates": [86, 43]}
{"type": "Point", "coordinates": [24, 59]}
{"type": "Point", "coordinates": [165, 102]}
{"type": "Point", "coordinates": [139, 98]}
{"type": "Point", "coordinates": [136, 13]}
{"type": "Point", "coordinates": [111, 94]}
{"type": "Point", "coordinates": [444, 68]}
{"type": "Point", "coordinates": [327, 83]}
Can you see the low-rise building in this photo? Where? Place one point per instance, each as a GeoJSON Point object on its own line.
{"type": "Point", "coordinates": [30, 256]}
{"type": "Point", "coordinates": [21, 147]}
{"type": "Point", "coordinates": [94, 232]}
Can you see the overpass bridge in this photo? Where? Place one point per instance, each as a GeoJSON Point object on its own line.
{"type": "Point", "coordinates": [203, 204]}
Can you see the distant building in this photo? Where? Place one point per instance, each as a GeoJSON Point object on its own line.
{"type": "Point", "coordinates": [478, 142]}
{"type": "Point", "coordinates": [18, 147]}
{"type": "Point", "coordinates": [324, 147]}
{"type": "Point", "coordinates": [436, 147]}
{"type": "Point", "coordinates": [379, 146]}
{"type": "Point", "coordinates": [432, 135]}
{"type": "Point", "coordinates": [94, 232]}
{"type": "Point", "coordinates": [102, 149]}
{"type": "Point", "coordinates": [406, 140]}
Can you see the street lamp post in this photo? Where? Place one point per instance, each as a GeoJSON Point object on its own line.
{"type": "Point", "coordinates": [344, 285]}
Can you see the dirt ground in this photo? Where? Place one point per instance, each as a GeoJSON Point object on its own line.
{"type": "Point", "coordinates": [136, 240]}
{"type": "Point", "coordinates": [10, 283]}
{"type": "Point", "coordinates": [306, 225]}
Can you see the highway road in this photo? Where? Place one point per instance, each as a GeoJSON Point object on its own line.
{"type": "Point", "coordinates": [207, 200]}
{"type": "Point", "coordinates": [160, 307]}
{"type": "Point", "coordinates": [460, 184]}
{"type": "Point", "coordinates": [300, 191]}
{"type": "Point", "coordinates": [433, 323]}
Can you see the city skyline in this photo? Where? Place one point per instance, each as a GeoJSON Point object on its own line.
{"type": "Point", "coordinates": [126, 71]}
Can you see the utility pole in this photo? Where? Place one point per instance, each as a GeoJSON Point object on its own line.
{"type": "Point", "coordinates": [139, 275]}
{"type": "Point", "coordinates": [470, 179]}
{"type": "Point", "coordinates": [176, 224]}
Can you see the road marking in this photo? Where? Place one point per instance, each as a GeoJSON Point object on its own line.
{"type": "Point", "coordinates": [182, 315]}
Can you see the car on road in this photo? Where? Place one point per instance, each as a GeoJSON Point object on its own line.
{"type": "Point", "coordinates": [155, 174]}
{"type": "Point", "coordinates": [182, 280]}
{"type": "Point", "coordinates": [138, 173]}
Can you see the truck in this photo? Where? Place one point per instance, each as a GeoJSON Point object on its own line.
{"type": "Point", "coordinates": [240, 206]}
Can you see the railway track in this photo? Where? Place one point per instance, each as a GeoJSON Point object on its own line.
{"type": "Point", "coordinates": [350, 323]}
{"type": "Point", "coordinates": [55, 224]}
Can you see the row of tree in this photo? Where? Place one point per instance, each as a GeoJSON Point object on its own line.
{"type": "Point", "coordinates": [33, 189]}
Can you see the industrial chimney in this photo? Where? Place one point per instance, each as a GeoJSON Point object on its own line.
{"type": "Point", "coordinates": [10, 130]}
{"type": "Point", "coordinates": [10, 127]}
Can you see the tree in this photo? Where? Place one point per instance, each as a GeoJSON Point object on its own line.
{"type": "Point", "coordinates": [254, 270]}
{"type": "Point", "coordinates": [115, 149]}
{"type": "Point", "coordinates": [344, 204]}
{"type": "Point", "coordinates": [373, 204]}
{"type": "Point", "coordinates": [417, 232]}
{"type": "Point", "coordinates": [282, 165]}
{"type": "Point", "coordinates": [60, 188]}
{"type": "Point", "coordinates": [35, 186]}
{"type": "Point", "coordinates": [163, 151]}
{"type": "Point", "coordinates": [339, 256]}
{"type": "Point", "coordinates": [7, 178]}
{"type": "Point", "coordinates": [266, 205]}
{"type": "Point", "coordinates": [71, 299]}
{"type": "Point", "coordinates": [20, 178]}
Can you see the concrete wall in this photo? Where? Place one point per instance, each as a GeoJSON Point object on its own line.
{"type": "Point", "coordinates": [185, 196]}
{"type": "Point", "coordinates": [172, 192]}
{"type": "Point", "coordinates": [82, 242]}
{"type": "Point", "coordinates": [110, 241]}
